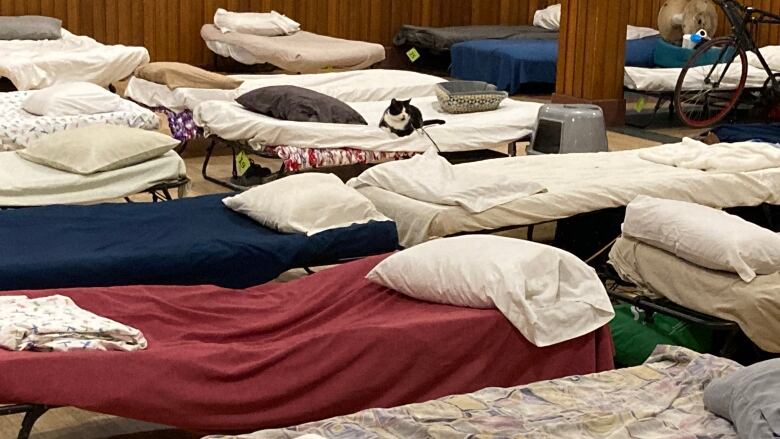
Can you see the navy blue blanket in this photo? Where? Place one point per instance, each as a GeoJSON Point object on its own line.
{"type": "Point", "coordinates": [760, 132]}
{"type": "Point", "coordinates": [184, 242]}
{"type": "Point", "coordinates": [511, 63]}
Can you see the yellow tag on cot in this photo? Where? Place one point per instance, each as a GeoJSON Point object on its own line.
{"type": "Point", "coordinates": [640, 104]}
{"type": "Point", "coordinates": [413, 54]}
{"type": "Point", "coordinates": [242, 163]}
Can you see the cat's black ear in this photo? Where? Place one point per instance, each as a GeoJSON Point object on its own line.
{"type": "Point", "coordinates": [393, 102]}
{"type": "Point", "coordinates": [407, 102]}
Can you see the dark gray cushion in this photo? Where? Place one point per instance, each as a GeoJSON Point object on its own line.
{"type": "Point", "coordinates": [749, 398]}
{"type": "Point", "coordinates": [30, 27]}
{"type": "Point", "coordinates": [287, 102]}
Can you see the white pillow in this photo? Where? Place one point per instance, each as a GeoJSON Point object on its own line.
{"type": "Point", "coordinates": [549, 17]}
{"type": "Point", "coordinates": [550, 295]}
{"type": "Point", "coordinates": [637, 33]}
{"type": "Point", "coordinates": [308, 203]}
{"type": "Point", "coordinates": [72, 98]}
{"type": "Point", "coordinates": [97, 148]}
{"type": "Point", "coordinates": [704, 236]}
{"type": "Point", "coordinates": [262, 24]}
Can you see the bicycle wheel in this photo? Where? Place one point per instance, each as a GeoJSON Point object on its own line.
{"type": "Point", "coordinates": [711, 82]}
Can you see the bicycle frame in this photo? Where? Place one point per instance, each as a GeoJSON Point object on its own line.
{"type": "Point", "coordinates": [742, 18]}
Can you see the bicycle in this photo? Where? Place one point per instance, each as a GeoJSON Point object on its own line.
{"type": "Point", "coordinates": [712, 82]}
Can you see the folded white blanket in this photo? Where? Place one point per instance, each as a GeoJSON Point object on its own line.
{"type": "Point", "coordinates": [430, 177]}
{"type": "Point", "coordinates": [722, 157]}
{"type": "Point", "coordinates": [270, 24]}
{"type": "Point", "coordinates": [55, 323]}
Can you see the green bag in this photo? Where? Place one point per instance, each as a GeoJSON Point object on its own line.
{"type": "Point", "coordinates": [635, 338]}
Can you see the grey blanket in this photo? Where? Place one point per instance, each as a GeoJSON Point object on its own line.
{"type": "Point", "coordinates": [440, 39]}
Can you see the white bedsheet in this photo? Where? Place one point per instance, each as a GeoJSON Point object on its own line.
{"type": "Point", "coordinates": [665, 79]}
{"type": "Point", "coordinates": [18, 128]}
{"type": "Point", "coordinates": [722, 157]}
{"type": "Point", "coordinates": [23, 183]}
{"type": "Point", "coordinates": [576, 183]}
{"type": "Point", "coordinates": [37, 64]}
{"type": "Point", "coordinates": [351, 86]}
{"type": "Point", "coordinates": [462, 132]}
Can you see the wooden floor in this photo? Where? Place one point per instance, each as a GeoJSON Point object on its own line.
{"type": "Point", "coordinates": [70, 423]}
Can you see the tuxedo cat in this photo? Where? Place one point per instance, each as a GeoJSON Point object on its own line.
{"type": "Point", "coordinates": [402, 118]}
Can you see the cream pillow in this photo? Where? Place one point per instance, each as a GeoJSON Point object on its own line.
{"type": "Point", "coordinates": [548, 18]}
{"type": "Point", "coordinates": [550, 295]}
{"type": "Point", "coordinates": [72, 98]}
{"type": "Point", "coordinates": [97, 148]}
{"type": "Point", "coordinates": [305, 203]}
{"type": "Point", "coordinates": [179, 75]}
{"type": "Point", "coordinates": [704, 236]}
{"type": "Point", "coordinates": [269, 24]}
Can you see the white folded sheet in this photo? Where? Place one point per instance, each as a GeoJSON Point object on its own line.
{"type": "Point", "coordinates": [722, 157]}
{"type": "Point", "coordinates": [23, 183]}
{"type": "Point", "coordinates": [32, 65]}
{"type": "Point", "coordinates": [462, 132]}
{"type": "Point", "coordinates": [576, 183]}
{"type": "Point", "coordinates": [351, 86]}
{"type": "Point", "coordinates": [19, 128]}
{"type": "Point", "coordinates": [430, 177]}
{"type": "Point", "coordinates": [56, 323]}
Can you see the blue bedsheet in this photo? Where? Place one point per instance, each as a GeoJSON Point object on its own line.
{"type": "Point", "coordinates": [184, 242]}
{"type": "Point", "coordinates": [509, 64]}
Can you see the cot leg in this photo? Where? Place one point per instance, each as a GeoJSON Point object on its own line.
{"type": "Point", "coordinates": [770, 218]}
{"type": "Point", "coordinates": [31, 414]}
{"type": "Point", "coordinates": [29, 420]}
{"type": "Point", "coordinates": [167, 195]}
{"type": "Point", "coordinates": [513, 149]}
{"type": "Point", "coordinates": [212, 142]}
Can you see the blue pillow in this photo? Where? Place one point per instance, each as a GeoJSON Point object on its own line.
{"type": "Point", "coordinates": [749, 398]}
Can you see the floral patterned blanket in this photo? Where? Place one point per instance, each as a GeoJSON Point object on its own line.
{"type": "Point", "coordinates": [660, 399]}
{"type": "Point", "coordinates": [19, 128]}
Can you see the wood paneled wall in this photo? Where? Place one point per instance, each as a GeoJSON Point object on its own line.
{"type": "Point", "coordinates": [590, 64]}
{"type": "Point", "coordinates": [170, 29]}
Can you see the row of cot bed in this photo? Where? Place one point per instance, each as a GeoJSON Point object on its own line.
{"type": "Point", "coordinates": [193, 273]}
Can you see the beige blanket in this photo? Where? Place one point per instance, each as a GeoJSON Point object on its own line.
{"type": "Point", "coordinates": [302, 52]}
{"type": "Point", "coordinates": [754, 306]}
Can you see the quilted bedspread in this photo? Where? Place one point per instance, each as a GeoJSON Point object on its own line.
{"type": "Point", "coordinates": [660, 399]}
{"type": "Point", "coordinates": [19, 128]}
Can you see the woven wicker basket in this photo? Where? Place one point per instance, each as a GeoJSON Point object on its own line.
{"type": "Point", "coordinates": [469, 96]}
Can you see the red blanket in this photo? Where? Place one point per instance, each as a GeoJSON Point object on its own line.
{"type": "Point", "coordinates": [283, 354]}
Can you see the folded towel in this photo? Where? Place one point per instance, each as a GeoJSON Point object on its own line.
{"type": "Point", "coordinates": [431, 178]}
{"type": "Point", "coordinates": [721, 157]}
{"type": "Point", "coordinates": [55, 323]}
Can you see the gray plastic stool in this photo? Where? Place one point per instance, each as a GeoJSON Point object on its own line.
{"type": "Point", "coordinates": [568, 128]}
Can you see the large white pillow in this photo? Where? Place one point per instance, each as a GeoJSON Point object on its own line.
{"type": "Point", "coordinates": [97, 148]}
{"type": "Point", "coordinates": [704, 236]}
{"type": "Point", "coordinates": [270, 24]}
{"type": "Point", "coordinates": [549, 17]}
{"type": "Point", "coordinates": [548, 294]}
{"type": "Point", "coordinates": [72, 98]}
{"type": "Point", "coordinates": [305, 203]}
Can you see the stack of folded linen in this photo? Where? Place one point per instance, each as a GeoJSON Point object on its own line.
{"type": "Point", "coordinates": [56, 323]}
